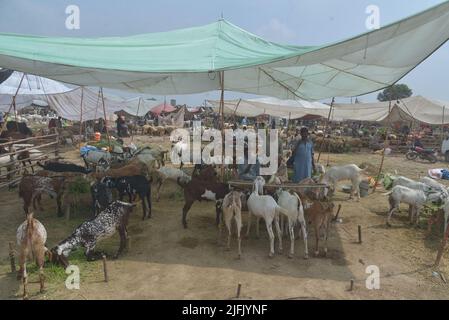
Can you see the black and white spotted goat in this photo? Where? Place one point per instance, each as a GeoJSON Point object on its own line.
{"type": "Point", "coordinates": [114, 218]}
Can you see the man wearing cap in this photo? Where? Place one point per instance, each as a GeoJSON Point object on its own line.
{"type": "Point", "coordinates": [303, 157]}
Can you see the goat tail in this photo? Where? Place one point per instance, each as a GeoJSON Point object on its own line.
{"type": "Point", "coordinates": [281, 210]}
{"type": "Point", "coordinates": [387, 194]}
{"type": "Point", "coordinates": [30, 230]}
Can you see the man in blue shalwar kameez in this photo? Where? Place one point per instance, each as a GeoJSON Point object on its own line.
{"type": "Point", "coordinates": [303, 157]}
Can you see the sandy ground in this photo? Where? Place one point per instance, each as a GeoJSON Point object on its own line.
{"type": "Point", "coordinates": [165, 261]}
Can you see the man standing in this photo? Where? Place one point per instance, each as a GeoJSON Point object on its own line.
{"type": "Point", "coordinates": [303, 157]}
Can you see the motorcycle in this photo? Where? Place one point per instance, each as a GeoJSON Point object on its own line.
{"type": "Point", "coordinates": [421, 153]}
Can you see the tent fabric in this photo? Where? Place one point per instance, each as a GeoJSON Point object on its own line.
{"type": "Point", "coordinates": [31, 84]}
{"type": "Point", "coordinates": [68, 104]}
{"type": "Point", "coordinates": [189, 60]}
{"type": "Point", "coordinates": [293, 109]}
{"type": "Point", "coordinates": [424, 110]}
{"type": "Point", "coordinates": [5, 74]}
{"type": "Point", "coordinates": [164, 107]}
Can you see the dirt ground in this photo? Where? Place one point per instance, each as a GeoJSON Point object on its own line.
{"type": "Point", "coordinates": [165, 261]}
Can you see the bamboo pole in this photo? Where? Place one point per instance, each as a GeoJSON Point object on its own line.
{"type": "Point", "coordinates": [81, 114]}
{"type": "Point", "coordinates": [105, 119]}
{"type": "Point", "coordinates": [383, 155]}
{"type": "Point", "coordinates": [137, 115]}
{"type": "Point", "coordinates": [325, 128]}
{"type": "Point", "coordinates": [222, 124]}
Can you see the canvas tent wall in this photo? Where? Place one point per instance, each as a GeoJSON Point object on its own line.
{"type": "Point", "coordinates": [425, 110]}
{"type": "Point", "coordinates": [289, 109]}
{"type": "Point", "coordinates": [221, 56]}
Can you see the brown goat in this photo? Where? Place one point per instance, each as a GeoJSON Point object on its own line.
{"type": "Point", "coordinates": [319, 214]}
{"type": "Point", "coordinates": [31, 237]}
{"type": "Point", "coordinates": [32, 187]}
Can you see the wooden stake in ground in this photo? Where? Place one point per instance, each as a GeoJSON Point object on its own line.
{"type": "Point", "coordinates": [351, 286]}
{"type": "Point", "coordinates": [105, 269]}
{"type": "Point", "coordinates": [222, 124]}
{"type": "Point", "coordinates": [360, 234]}
{"type": "Point", "coordinates": [239, 288]}
{"type": "Point", "coordinates": [338, 213]}
{"type": "Point", "coordinates": [12, 257]}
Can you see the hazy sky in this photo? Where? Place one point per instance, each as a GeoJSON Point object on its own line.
{"type": "Point", "coordinates": [299, 22]}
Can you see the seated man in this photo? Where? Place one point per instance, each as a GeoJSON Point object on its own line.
{"type": "Point", "coordinates": [248, 171]}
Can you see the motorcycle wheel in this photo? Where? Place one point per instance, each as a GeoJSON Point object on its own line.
{"type": "Point", "coordinates": [432, 158]}
{"type": "Point", "coordinates": [411, 155]}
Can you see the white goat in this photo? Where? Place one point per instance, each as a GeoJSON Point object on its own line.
{"type": "Point", "coordinates": [232, 209]}
{"type": "Point", "coordinates": [414, 198]}
{"type": "Point", "coordinates": [436, 186]}
{"type": "Point", "coordinates": [265, 207]}
{"type": "Point", "coordinates": [292, 203]}
{"type": "Point", "coordinates": [166, 173]}
{"type": "Point", "coordinates": [446, 214]}
{"type": "Point", "coordinates": [347, 172]}
{"type": "Point", "coordinates": [409, 183]}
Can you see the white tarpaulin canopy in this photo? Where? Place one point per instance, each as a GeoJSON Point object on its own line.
{"type": "Point", "coordinates": [190, 60]}
{"type": "Point", "coordinates": [425, 110]}
{"type": "Point", "coordinates": [292, 109]}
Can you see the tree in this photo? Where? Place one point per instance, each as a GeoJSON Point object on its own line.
{"type": "Point", "coordinates": [395, 92]}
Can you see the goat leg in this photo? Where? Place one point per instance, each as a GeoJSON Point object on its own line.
{"type": "Point", "coordinates": [25, 283]}
{"type": "Point", "coordinates": [238, 222]}
{"type": "Point", "coordinates": [278, 231]}
{"type": "Point", "coordinates": [122, 232]}
{"type": "Point", "coordinates": [186, 209]}
{"type": "Point", "coordinates": [271, 235]}
{"type": "Point", "coordinates": [59, 202]}
{"type": "Point", "coordinates": [149, 202]}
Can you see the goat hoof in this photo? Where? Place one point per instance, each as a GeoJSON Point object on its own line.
{"type": "Point", "coordinates": [25, 297]}
{"type": "Point", "coordinates": [306, 257]}
{"type": "Point", "coordinates": [271, 255]}
{"type": "Point", "coordinates": [239, 256]}
{"type": "Point", "coordinates": [290, 256]}
{"type": "Point", "coordinates": [317, 253]}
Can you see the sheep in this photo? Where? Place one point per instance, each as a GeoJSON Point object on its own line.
{"type": "Point", "coordinates": [156, 154]}
{"type": "Point", "coordinates": [291, 202]}
{"type": "Point", "coordinates": [348, 172]}
{"type": "Point", "coordinates": [319, 214]}
{"type": "Point", "coordinates": [165, 173]}
{"type": "Point", "coordinates": [31, 188]}
{"type": "Point", "coordinates": [232, 209]}
{"type": "Point", "coordinates": [263, 206]}
{"type": "Point", "coordinates": [114, 218]}
{"type": "Point", "coordinates": [31, 237]}
{"type": "Point", "coordinates": [414, 198]}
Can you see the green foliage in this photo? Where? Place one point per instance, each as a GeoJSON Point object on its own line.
{"type": "Point", "coordinates": [79, 186]}
{"type": "Point", "coordinates": [395, 92]}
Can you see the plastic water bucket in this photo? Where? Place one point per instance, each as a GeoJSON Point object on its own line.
{"type": "Point", "coordinates": [97, 136]}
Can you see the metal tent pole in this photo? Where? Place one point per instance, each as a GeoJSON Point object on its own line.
{"type": "Point", "coordinates": [325, 129]}
{"type": "Point", "coordinates": [222, 123]}
{"type": "Point", "coordinates": [81, 113]}
{"type": "Point", "coordinates": [105, 119]}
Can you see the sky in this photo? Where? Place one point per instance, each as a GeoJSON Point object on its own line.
{"type": "Point", "coordinates": [296, 22]}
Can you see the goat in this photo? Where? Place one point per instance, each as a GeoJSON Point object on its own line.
{"type": "Point", "coordinates": [414, 198]}
{"type": "Point", "coordinates": [409, 183]}
{"type": "Point", "coordinates": [132, 186]}
{"type": "Point", "coordinates": [291, 202]}
{"type": "Point", "coordinates": [114, 218]}
{"type": "Point", "coordinates": [101, 196]}
{"type": "Point", "coordinates": [165, 173]}
{"type": "Point", "coordinates": [265, 207]}
{"type": "Point", "coordinates": [347, 172]}
{"type": "Point", "coordinates": [319, 213]}
{"type": "Point", "coordinates": [32, 187]}
{"type": "Point", "coordinates": [232, 209]}
{"type": "Point", "coordinates": [204, 186]}
{"type": "Point", "coordinates": [54, 166]}
{"type": "Point", "coordinates": [31, 237]}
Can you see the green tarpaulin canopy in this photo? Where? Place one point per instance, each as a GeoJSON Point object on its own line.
{"type": "Point", "coordinates": [189, 60]}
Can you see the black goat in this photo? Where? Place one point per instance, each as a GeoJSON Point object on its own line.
{"type": "Point", "coordinates": [63, 167]}
{"type": "Point", "coordinates": [101, 196]}
{"type": "Point", "coordinates": [132, 186]}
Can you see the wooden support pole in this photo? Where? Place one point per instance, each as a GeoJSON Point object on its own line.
{"type": "Point", "coordinates": [383, 156]}
{"type": "Point", "coordinates": [13, 103]}
{"type": "Point", "coordinates": [325, 128]}
{"type": "Point", "coordinates": [12, 257]}
{"type": "Point", "coordinates": [351, 285]}
{"type": "Point", "coordinates": [105, 269]}
{"type": "Point", "coordinates": [137, 115]}
{"type": "Point", "coordinates": [81, 114]}
{"type": "Point", "coordinates": [239, 288]}
{"type": "Point", "coordinates": [360, 234]}
{"type": "Point", "coordinates": [105, 119]}
{"type": "Point", "coordinates": [222, 125]}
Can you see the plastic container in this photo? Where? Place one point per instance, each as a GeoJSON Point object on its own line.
{"type": "Point", "coordinates": [97, 136]}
